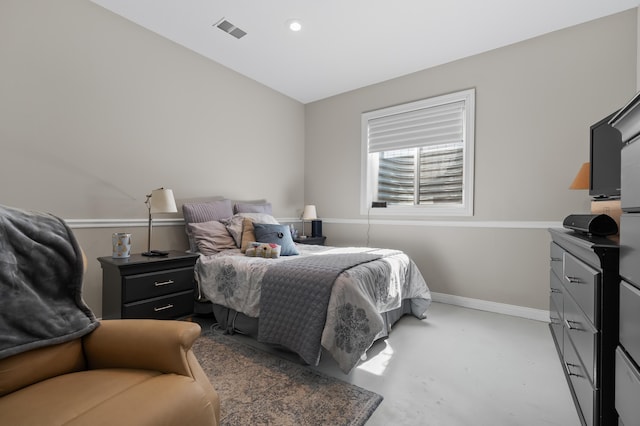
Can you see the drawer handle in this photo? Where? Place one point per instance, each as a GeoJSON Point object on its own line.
{"type": "Point", "coordinates": [556, 259]}
{"type": "Point", "coordinates": [571, 325]}
{"type": "Point", "coordinates": [556, 290]}
{"type": "Point", "coordinates": [169, 306]}
{"type": "Point", "coordinates": [160, 284]}
{"type": "Point", "coordinates": [573, 280]}
{"type": "Point", "coordinates": [571, 373]}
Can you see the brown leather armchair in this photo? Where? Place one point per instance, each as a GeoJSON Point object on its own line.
{"type": "Point", "coordinates": [125, 372]}
{"type": "Point", "coordinates": [60, 366]}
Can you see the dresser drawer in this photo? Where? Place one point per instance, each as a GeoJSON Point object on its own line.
{"type": "Point", "coordinates": [627, 389]}
{"type": "Point", "coordinates": [556, 292]}
{"type": "Point", "coordinates": [629, 328]}
{"type": "Point", "coordinates": [582, 387]}
{"type": "Point", "coordinates": [581, 281]}
{"type": "Point", "coordinates": [154, 284]}
{"type": "Point", "coordinates": [630, 169]}
{"type": "Point", "coordinates": [556, 259]}
{"type": "Point", "coordinates": [583, 335]}
{"type": "Point", "coordinates": [556, 325]}
{"type": "Point", "coordinates": [166, 307]}
{"type": "Point", "coordinates": [630, 247]}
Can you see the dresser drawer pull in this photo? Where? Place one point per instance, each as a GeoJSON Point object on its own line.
{"type": "Point", "coordinates": [556, 259]}
{"type": "Point", "coordinates": [571, 325]}
{"type": "Point", "coordinates": [169, 306]}
{"type": "Point", "coordinates": [571, 373]}
{"type": "Point", "coordinates": [556, 290]}
{"type": "Point", "coordinates": [573, 280]}
{"type": "Point", "coordinates": [160, 284]}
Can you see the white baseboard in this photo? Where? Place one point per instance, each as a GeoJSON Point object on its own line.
{"type": "Point", "coordinates": [485, 305]}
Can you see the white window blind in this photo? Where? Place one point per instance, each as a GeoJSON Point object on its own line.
{"type": "Point", "coordinates": [423, 127]}
{"type": "Point", "coordinates": [420, 155]}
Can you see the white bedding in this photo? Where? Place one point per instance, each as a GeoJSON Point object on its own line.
{"type": "Point", "coordinates": [358, 298]}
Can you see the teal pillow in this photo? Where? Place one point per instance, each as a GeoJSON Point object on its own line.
{"type": "Point", "coordinates": [276, 234]}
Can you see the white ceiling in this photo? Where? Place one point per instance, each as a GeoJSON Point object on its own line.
{"type": "Point", "coordinates": [347, 44]}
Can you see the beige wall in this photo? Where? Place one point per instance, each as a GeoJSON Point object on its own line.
{"type": "Point", "coordinates": [95, 112]}
{"type": "Point", "coordinates": [535, 101]}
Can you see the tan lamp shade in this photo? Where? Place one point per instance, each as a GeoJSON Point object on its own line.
{"type": "Point", "coordinates": [309, 213]}
{"type": "Point", "coordinates": [581, 180]}
{"type": "Point", "coordinates": [162, 201]}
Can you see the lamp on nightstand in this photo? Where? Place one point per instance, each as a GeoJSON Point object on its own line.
{"type": "Point", "coordinates": [159, 201]}
{"type": "Point", "coordinates": [308, 214]}
{"type": "Point", "coordinates": [581, 180]}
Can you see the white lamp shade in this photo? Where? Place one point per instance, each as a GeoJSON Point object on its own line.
{"type": "Point", "coordinates": [309, 213]}
{"type": "Point", "coordinates": [162, 201]}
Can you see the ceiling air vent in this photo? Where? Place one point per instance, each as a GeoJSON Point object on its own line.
{"type": "Point", "coordinates": [229, 28]}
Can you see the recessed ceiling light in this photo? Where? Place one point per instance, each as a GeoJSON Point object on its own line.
{"type": "Point", "coordinates": [294, 25]}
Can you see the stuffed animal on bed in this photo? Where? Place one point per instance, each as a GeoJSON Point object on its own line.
{"type": "Point", "coordinates": [266, 250]}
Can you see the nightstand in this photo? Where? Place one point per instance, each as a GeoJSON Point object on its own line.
{"type": "Point", "coordinates": [318, 241]}
{"type": "Point", "coordinates": [148, 287]}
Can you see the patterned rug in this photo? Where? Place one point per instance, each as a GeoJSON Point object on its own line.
{"type": "Point", "coordinates": [258, 388]}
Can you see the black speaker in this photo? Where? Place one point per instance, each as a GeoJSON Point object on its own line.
{"type": "Point", "coordinates": [595, 224]}
{"type": "Point", "coordinates": [316, 228]}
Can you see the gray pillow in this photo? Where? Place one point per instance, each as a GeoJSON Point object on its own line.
{"type": "Point", "coordinates": [211, 237]}
{"type": "Point", "coordinates": [276, 234]}
{"type": "Point", "coordinates": [253, 208]}
{"type": "Point", "coordinates": [204, 212]}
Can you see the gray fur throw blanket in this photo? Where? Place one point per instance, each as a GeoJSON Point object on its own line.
{"type": "Point", "coordinates": [41, 274]}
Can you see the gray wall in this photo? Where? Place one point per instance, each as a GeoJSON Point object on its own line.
{"type": "Point", "coordinates": [535, 101]}
{"type": "Point", "coordinates": [95, 112]}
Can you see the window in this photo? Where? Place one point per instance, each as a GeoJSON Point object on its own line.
{"type": "Point", "coordinates": [418, 157]}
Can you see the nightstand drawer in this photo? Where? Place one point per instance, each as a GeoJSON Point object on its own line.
{"type": "Point", "coordinates": [166, 307]}
{"type": "Point", "coordinates": [581, 281]}
{"type": "Point", "coordinates": [154, 284]}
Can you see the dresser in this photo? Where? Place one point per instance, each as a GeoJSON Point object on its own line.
{"type": "Point", "coordinates": [627, 372]}
{"type": "Point", "coordinates": [584, 283]}
{"type": "Point", "coordinates": [159, 287]}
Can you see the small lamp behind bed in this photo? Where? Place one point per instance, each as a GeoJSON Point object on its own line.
{"type": "Point", "coordinates": [159, 201]}
{"type": "Point", "coordinates": [308, 214]}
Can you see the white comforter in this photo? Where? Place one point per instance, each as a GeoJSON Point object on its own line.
{"type": "Point", "coordinates": [359, 296]}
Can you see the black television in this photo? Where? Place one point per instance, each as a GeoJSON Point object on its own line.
{"type": "Point", "coordinates": [604, 176]}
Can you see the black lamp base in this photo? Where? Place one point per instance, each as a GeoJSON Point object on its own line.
{"type": "Point", "coordinates": [154, 253]}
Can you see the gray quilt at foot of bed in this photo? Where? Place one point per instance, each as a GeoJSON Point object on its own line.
{"type": "Point", "coordinates": [294, 300]}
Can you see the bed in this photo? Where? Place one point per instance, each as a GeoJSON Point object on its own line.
{"type": "Point", "coordinates": [306, 298]}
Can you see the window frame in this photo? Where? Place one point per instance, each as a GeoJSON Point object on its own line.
{"type": "Point", "coordinates": [366, 190]}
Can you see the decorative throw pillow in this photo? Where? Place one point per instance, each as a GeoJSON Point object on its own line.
{"type": "Point", "coordinates": [253, 208]}
{"type": "Point", "coordinates": [266, 250]}
{"type": "Point", "coordinates": [277, 234]}
{"type": "Point", "coordinates": [235, 224]}
{"type": "Point", "coordinates": [248, 234]}
{"type": "Point", "coordinates": [211, 237]}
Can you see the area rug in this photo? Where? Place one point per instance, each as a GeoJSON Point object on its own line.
{"type": "Point", "coordinates": [258, 388]}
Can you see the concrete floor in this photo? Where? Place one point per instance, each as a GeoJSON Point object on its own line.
{"type": "Point", "coordinates": [464, 367]}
